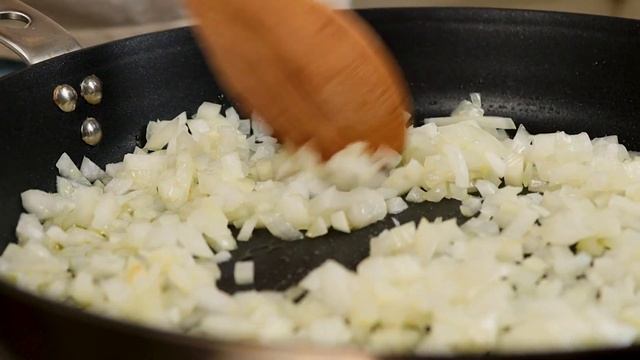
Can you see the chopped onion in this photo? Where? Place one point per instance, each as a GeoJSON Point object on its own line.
{"type": "Point", "coordinates": [69, 170]}
{"type": "Point", "coordinates": [222, 256]}
{"type": "Point", "coordinates": [416, 195]}
{"type": "Point", "coordinates": [458, 165]}
{"type": "Point", "coordinates": [243, 272]}
{"type": "Point", "coordinates": [339, 222]}
{"type": "Point", "coordinates": [91, 171]}
{"type": "Point", "coordinates": [247, 229]}
{"type": "Point", "coordinates": [544, 260]}
{"type": "Point", "coordinates": [396, 205]}
{"type": "Point", "coordinates": [317, 228]}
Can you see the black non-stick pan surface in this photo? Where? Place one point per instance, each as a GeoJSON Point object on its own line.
{"type": "Point", "coordinates": [549, 71]}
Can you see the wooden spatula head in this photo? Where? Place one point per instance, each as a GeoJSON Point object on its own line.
{"type": "Point", "coordinates": [316, 76]}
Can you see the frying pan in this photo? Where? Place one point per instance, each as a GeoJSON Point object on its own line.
{"type": "Point", "coordinates": [549, 71]}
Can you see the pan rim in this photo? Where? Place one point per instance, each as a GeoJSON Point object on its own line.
{"type": "Point", "coordinates": [460, 13]}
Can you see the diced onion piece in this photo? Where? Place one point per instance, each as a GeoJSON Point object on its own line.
{"type": "Point", "coordinates": [208, 111]}
{"type": "Point", "coordinates": [280, 228]}
{"type": "Point", "coordinates": [118, 186]}
{"type": "Point", "coordinates": [416, 195]}
{"type": "Point", "coordinates": [498, 166]}
{"type": "Point", "coordinates": [243, 272]}
{"type": "Point", "coordinates": [486, 188]}
{"type": "Point", "coordinates": [458, 165]}
{"type": "Point", "coordinates": [29, 228]}
{"type": "Point", "coordinates": [396, 205]}
{"type": "Point", "coordinates": [393, 241]}
{"type": "Point", "coordinates": [222, 256]}
{"type": "Point", "coordinates": [69, 170]}
{"type": "Point", "coordinates": [193, 241]}
{"type": "Point", "coordinates": [470, 206]}
{"type": "Point", "coordinates": [339, 222]}
{"type": "Point", "coordinates": [247, 229]}
{"type": "Point", "coordinates": [212, 222]}
{"type": "Point", "coordinates": [244, 126]}
{"type": "Point", "coordinates": [45, 205]}
{"type": "Point", "coordinates": [514, 170]}
{"type": "Point", "coordinates": [318, 228]}
{"type": "Point", "coordinates": [367, 207]}
{"type": "Point", "coordinates": [106, 212]}
{"type": "Point", "coordinates": [90, 170]}
{"type": "Point", "coordinates": [231, 114]}
{"type": "Point", "coordinates": [64, 186]}
{"type": "Point", "coordinates": [496, 122]}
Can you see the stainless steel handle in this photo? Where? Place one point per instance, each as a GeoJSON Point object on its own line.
{"type": "Point", "coordinates": [40, 39]}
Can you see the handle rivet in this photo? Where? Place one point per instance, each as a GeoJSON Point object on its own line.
{"type": "Point", "coordinates": [91, 131]}
{"type": "Point", "coordinates": [65, 97]}
{"type": "Point", "coordinates": [91, 89]}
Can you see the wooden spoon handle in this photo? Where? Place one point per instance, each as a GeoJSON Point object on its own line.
{"type": "Point", "coordinates": [313, 74]}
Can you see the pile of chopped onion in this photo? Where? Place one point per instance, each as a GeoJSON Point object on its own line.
{"type": "Point", "coordinates": [556, 267]}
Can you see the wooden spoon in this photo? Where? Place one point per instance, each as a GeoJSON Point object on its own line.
{"type": "Point", "coordinates": [316, 76]}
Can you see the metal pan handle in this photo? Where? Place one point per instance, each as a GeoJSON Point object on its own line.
{"type": "Point", "coordinates": [39, 39]}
